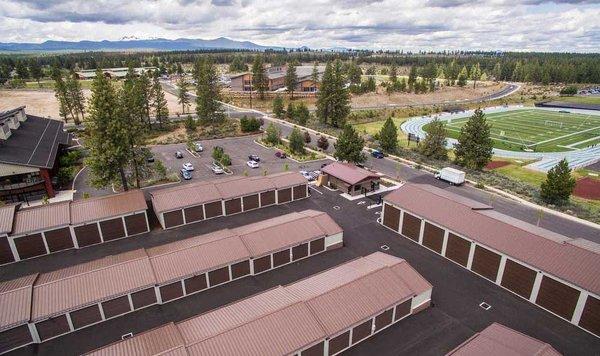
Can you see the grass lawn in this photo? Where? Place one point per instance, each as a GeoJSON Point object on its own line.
{"type": "Point", "coordinates": [372, 128]}
{"type": "Point", "coordinates": [580, 99]}
{"type": "Point", "coordinates": [49, 84]}
{"type": "Point", "coordinates": [538, 130]}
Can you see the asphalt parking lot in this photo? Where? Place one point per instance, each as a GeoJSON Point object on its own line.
{"type": "Point", "coordinates": [454, 316]}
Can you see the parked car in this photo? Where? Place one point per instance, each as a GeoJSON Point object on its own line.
{"type": "Point", "coordinates": [280, 154]}
{"type": "Point", "coordinates": [254, 158]}
{"type": "Point", "coordinates": [150, 159]}
{"type": "Point", "coordinates": [315, 174]}
{"type": "Point", "coordinates": [188, 166]}
{"type": "Point", "coordinates": [451, 175]}
{"type": "Point", "coordinates": [252, 164]}
{"type": "Point", "coordinates": [185, 174]}
{"type": "Point", "coordinates": [178, 154]}
{"type": "Point", "coordinates": [377, 154]}
{"type": "Point", "coordinates": [216, 168]}
{"type": "Point", "coordinates": [309, 177]}
{"type": "Point", "coordinates": [198, 147]}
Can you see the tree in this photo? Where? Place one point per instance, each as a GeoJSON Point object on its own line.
{"type": "Point", "coordinates": [75, 97]}
{"type": "Point", "coordinates": [21, 70]}
{"type": "Point", "coordinates": [559, 184]}
{"type": "Point", "coordinates": [183, 97]}
{"type": "Point", "coordinates": [237, 65]}
{"type": "Point", "coordinates": [35, 69]}
{"type": "Point", "coordinates": [315, 74]}
{"type": "Point", "coordinates": [291, 79]}
{"type": "Point", "coordinates": [333, 100]}
{"type": "Point", "coordinates": [273, 135]}
{"type": "Point", "coordinates": [474, 148]}
{"type": "Point", "coordinates": [462, 77]}
{"type": "Point", "coordinates": [161, 110]}
{"type": "Point", "coordinates": [208, 95]}
{"type": "Point", "coordinates": [302, 114]}
{"type": "Point", "coordinates": [434, 144]}
{"type": "Point", "coordinates": [144, 96]}
{"type": "Point", "coordinates": [388, 136]}
{"type": "Point", "coordinates": [260, 81]}
{"type": "Point", "coordinates": [296, 141]}
{"type": "Point", "coordinates": [349, 146]}
{"type": "Point", "coordinates": [323, 143]}
{"type": "Point", "coordinates": [290, 113]}
{"type": "Point", "coordinates": [354, 73]}
{"type": "Point", "coordinates": [190, 124]}
{"type": "Point", "coordinates": [412, 78]}
{"type": "Point", "coordinates": [307, 138]}
{"type": "Point", "coordinates": [393, 73]}
{"type": "Point", "coordinates": [475, 74]}
{"type": "Point", "coordinates": [61, 94]}
{"type": "Point", "coordinates": [278, 110]}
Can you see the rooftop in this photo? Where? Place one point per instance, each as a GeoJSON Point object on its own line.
{"type": "Point", "coordinates": [348, 173]}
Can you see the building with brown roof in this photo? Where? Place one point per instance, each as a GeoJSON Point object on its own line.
{"type": "Point", "coordinates": [499, 340]}
{"type": "Point", "coordinates": [349, 178]}
{"type": "Point", "coordinates": [324, 314]}
{"type": "Point", "coordinates": [276, 79]}
{"type": "Point", "coordinates": [557, 273]}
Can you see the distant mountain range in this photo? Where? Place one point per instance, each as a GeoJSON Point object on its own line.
{"type": "Point", "coordinates": [131, 43]}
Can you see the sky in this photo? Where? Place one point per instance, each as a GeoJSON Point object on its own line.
{"type": "Point", "coordinates": [410, 25]}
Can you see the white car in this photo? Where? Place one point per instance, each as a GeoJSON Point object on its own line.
{"type": "Point", "coordinates": [198, 147]}
{"type": "Point", "coordinates": [307, 175]}
{"type": "Point", "coordinates": [188, 166]}
{"type": "Point", "coordinates": [252, 164]}
{"type": "Point", "coordinates": [217, 169]}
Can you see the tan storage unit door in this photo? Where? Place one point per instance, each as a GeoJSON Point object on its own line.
{"type": "Point", "coordinates": [391, 217]}
{"type": "Point", "coordinates": [284, 195]}
{"type": "Point", "coordinates": [281, 258]}
{"type": "Point", "coordinates": [262, 264]}
{"type": "Point", "coordinates": [267, 198]}
{"type": "Point", "coordinates": [250, 202]}
{"type": "Point", "coordinates": [557, 297]}
{"type": "Point", "coordinates": [339, 343]}
{"type": "Point", "coordinates": [590, 318]}
{"type": "Point", "coordinates": [112, 229]}
{"type": "Point", "coordinates": [218, 276]}
{"type": "Point", "coordinates": [173, 218]}
{"type": "Point", "coordinates": [85, 316]}
{"type": "Point", "coordinates": [116, 307]}
{"type": "Point", "coordinates": [411, 226]}
{"type": "Point", "coordinates": [195, 284]}
{"type": "Point", "coordinates": [30, 246]}
{"type": "Point", "coordinates": [6, 255]}
{"type": "Point", "coordinates": [403, 309]}
{"type": "Point", "coordinates": [315, 350]}
{"type": "Point", "coordinates": [433, 237]}
{"type": "Point", "coordinates": [15, 337]}
{"type": "Point", "coordinates": [87, 235]}
{"type": "Point", "coordinates": [136, 224]}
{"type": "Point", "coordinates": [52, 327]}
{"type": "Point", "coordinates": [384, 319]}
{"type": "Point", "coordinates": [240, 269]}
{"type": "Point", "coordinates": [59, 239]}
{"type": "Point", "coordinates": [300, 192]}
{"type": "Point", "coordinates": [486, 263]}
{"type": "Point", "coordinates": [361, 331]}
{"type": "Point", "coordinates": [233, 206]}
{"type": "Point", "coordinates": [518, 278]}
{"type": "Point", "coordinates": [171, 291]}
{"type": "Point", "coordinates": [457, 249]}
{"type": "Point", "coordinates": [143, 298]}
{"type": "Point", "coordinates": [193, 214]}
{"type": "Point", "coordinates": [317, 246]}
{"type": "Point", "coordinates": [300, 251]}
{"type": "Point", "coordinates": [213, 209]}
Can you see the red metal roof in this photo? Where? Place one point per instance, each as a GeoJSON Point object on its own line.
{"type": "Point", "coordinates": [7, 213]}
{"type": "Point", "coordinates": [348, 173]}
{"type": "Point", "coordinates": [15, 301]}
{"type": "Point", "coordinates": [544, 250]}
{"type": "Point", "coordinates": [105, 207]}
{"type": "Point", "coordinates": [499, 340]}
{"type": "Point", "coordinates": [164, 340]}
{"type": "Point", "coordinates": [41, 217]}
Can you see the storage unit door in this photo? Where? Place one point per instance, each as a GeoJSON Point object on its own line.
{"type": "Point", "coordinates": [85, 316]}
{"type": "Point", "coordinates": [87, 235]}
{"type": "Point", "coordinates": [557, 297]}
{"type": "Point", "coordinates": [112, 229]}
{"type": "Point", "coordinates": [30, 246]}
{"type": "Point", "coordinates": [299, 251]}
{"type": "Point", "coordinates": [59, 239]}
{"type": "Point", "coordinates": [411, 226]}
{"type": "Point", "coordinates": [590, 318]}
{"type": "Point", "coordinates": [195, 284]}
{"type": "Point", "coordinates": [317, 246]}
{"type": "Point", "coordinates": [213, 209]}
{"type": "Point", "coordinates": [518, 278]}
{"type": "Point", "coordinates": [240, 269]}
{"type": "Point", "coordinates": [284, 195]}
{"type": "Point", "coordinates": [14, 337]}
{"type": "Point", "coordinates": [267, 198]}
{"type": "Point", "coordinates": [143, 298]}
{"type": "Point", "coordinates": [171, 291]}
{"type": "Point", "coordinates": [361, 331]}
{"type": "Point", "coordinates": [391, 217]}
{"type": "Point", "coordinates": [136, 224]}
{"type": "Point", "coordinates": [262, 264]}
{"type": "Point", "coordinates": [173, 218]}
{"type": "Point", "coordinates": [486, 263]}
{"type": "Point", "coordinates": [52, 327]}
{"type": "Point", "coordinates": [218, 276]}
{"type": "Point", "coordinates": [315, 350]}
{"type": "Point", "coordinates": [6, 255]}
{"type": "Point", "coordinates": [233, 206]}
{"type": "Point", "coordinates": [339, 343]}
{"type": "Point", "coordinates": [384, 319]}
{"type": "Point", "coordinates": [403, 309]}
{"type": "Point", "coordinates": [457, 249]}
{"type": "Point", "coordinates": [281, 258]}
{"type": "Point", "coordinates": [300, 191]}
{"type": "Point", "coordinates": [116, 307]}
{"type": "Point", "coordinates": [250, 202]}
{"type": "Point", "coordinates": [193, 214]}
{"type": "Point", "coordinates": [433, 237]}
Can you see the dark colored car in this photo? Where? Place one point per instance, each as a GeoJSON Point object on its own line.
{"type": "Point", "coordinates": [185, 174]}
{"type": "Point", "coordinates": [150, 159]}
{"type": "Point", "coordinates": [178, 155]}
{"type": "Point", "coordinates": [377, 154]}
{"type": "Point", "coordinates": [280, 154]}
{"type": "Point", "coordinates": [254, 158]}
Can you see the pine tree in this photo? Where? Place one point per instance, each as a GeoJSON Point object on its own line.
{"type": "Point", "coordinates": [296, 141]}
{"type": "Point", "coordinates": [75, 97]}
{"type": "Point", "coordinates": [273, 135]}
{"type": "Point", "coordinates": [315, 74]}
{"type": "Point", "coordinates": [61, 94]}
{"type": "Point", "coordinates": [183, 97]}
{"type": "Point", "coordinates": [260, 81]}
{"type": "Point", "coordinates": [475, 73]}
{"type": "Point", "coordinates": [412, 78]}
{"type": "Point", "coordinates": [35, 69]}
{"type": "Point", "coordinates": [434, 144]}
{"type": "Point", "coordinates": [291, 79]}
{"type": "Point", "coordinates": [161, 110]}
{"type": "Point", "coordinates": [462, 77]}
{"type": "Point", "coordinates": [559, 184]}
{"type": "Point", "coordinates": [302, 114]}
{"type": "Point", "coordinates": [145, 96]}
{"type": "Point", "coordinates": [333, 100]}
{"type": "Point", "coordinates": [388, 136]}
{"type": "Point", "coordinates": [208, 95]}
{"type": "Point", "coordinates": [278, 110]}
{"type": "Point", "coordinates": [393, 73]}
{"type": "Point", "coordinates": [474, 148]}
{"type": "Point", "coordinates": [290, 112]}
{"type": "Point", "coordinates": [131, 114]}
{"type": "Point", "coordinates": [349, 146]}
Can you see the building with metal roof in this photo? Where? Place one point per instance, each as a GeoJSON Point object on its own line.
{"type": "Point", "coordinates": [349, 178]}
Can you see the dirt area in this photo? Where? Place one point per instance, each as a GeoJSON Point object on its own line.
{"type": "Point", "coordinates": [44, 103]}
{"type": "Point", "coordinates": [587, 188]}
{"type": "Point", "coordinates": [496, 164]}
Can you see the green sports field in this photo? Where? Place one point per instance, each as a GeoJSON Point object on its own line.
{"type": "Point", "coordinates": [538, 130]}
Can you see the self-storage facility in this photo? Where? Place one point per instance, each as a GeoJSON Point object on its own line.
{"type": "Point", "coordinates": [41, 307]}
{"type": "Point", "coordinates": [324, 314]}
{"type": "Point", "coordinates": [190, 203]}
{"type": "Point", "coordinates": [553, 271]}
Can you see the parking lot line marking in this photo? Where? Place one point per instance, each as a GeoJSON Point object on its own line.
{"type": "Point", "coordinates": [316, 190]}
{"type": "Point", "coordinates": [485, 306]}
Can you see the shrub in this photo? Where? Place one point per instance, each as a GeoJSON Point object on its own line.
{"type": "Point", "coordinates": [307, 138]}
{"type": "Point", "coordinates": [160, 169]}
{"type": "Point", "coordinates": [70, 158]}
{"type": "Point", "coordinates": [570, 90]}
{"type": "Point", "coordinates": [190, 124]}
{"type": "Point", "coordinates": [65, 175]}
{"type": "Point", "coordinates": [323, 143]}
{"type": "Point", "coordinates": [249, 124]}
{"type": "Point", "coordinates": [296, 141]}
{"type": "Point", "coordinates": [273, 136]}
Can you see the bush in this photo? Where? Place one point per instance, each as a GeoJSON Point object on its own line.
{"type": "Point", "coordinates": [296, 141]}
{"type": "Point", "coordinates": [160, 169]}
{"type": "Point", "coordinates": [65, 175]}
{"type": "Point", "coordinates": [219, 155]}
{"type": "Point", "coordinates": [190, 124]}
{"type": "Point", "coordinates": [570, 90]}
{"type": "Point", "coordinates": [273, 136]}
{"type": "Point", "coordinates": [301, 114]}
{"type": "Point", "coordinates": [249, 124]}
{"type": "Point", "coordinates": [307, 137]}
{"type": "Point", "coordinates": [323, 143]}
{"type": "Point", "coordinates": [70, 158]}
